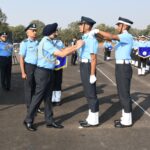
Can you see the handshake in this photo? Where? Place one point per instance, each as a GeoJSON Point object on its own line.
{"type": "Point", "coordinates": [93, 32]}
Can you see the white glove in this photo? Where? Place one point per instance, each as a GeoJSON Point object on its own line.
{"type": "Point", "coordinates": [92, 79]}
{"type": "Point", "coordinates": [93, 32]}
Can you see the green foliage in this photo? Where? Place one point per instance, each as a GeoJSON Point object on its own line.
{"type": "Point", "coordinates": [18, 33]}
{"type": "Point", "coordinates": [66, 35]}
{"type": "Point", "coordinates": [3, 17]}
{"type": "Point", "coordinates": [106, 28]}
{"type": "Point", "coordinates": [3, 25]}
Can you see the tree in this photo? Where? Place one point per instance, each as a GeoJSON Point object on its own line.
{"type": "Point", "coordinates": [74, 28]}
{"type": "Point", "coordinates": [3, 24]}
{"type": "Point", "coordinates": [18, 33]}
{"type": "Point", "coordinates": [134, 32]}
{"type": "Point", "coordinates": [106, 28]}
{"type": "Point", "coordinates": [3, 17]}
{"type": "Point", "coordinates": [72, 31]}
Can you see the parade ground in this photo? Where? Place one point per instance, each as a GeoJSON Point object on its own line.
{"type": "Point", "coordinates": [14, 136]}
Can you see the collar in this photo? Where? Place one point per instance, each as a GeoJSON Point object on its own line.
{"type": "Point", "coordinates": [125, 31]}
{"type": "Point", "coordinates": [85, 36]}
{"type": "Point", "coordinates": [31, 40]}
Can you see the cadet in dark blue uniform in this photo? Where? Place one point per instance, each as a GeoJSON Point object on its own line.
{"type": "Point", "coordinates": [5, 61]}
{"type": "Point", "coordinates": [123, 69]}
{"type": "Point", "coordinates": [28, 61]}
{"type": "Point", "coordinates": [47, 53]}
{"type": "Point", "coordinates": [88, 59]}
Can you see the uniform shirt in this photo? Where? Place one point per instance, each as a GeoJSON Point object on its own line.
{"type": "Point", "coordinates": [59, 44]}
{"type": "Point", "coordinates": [107, 45]}
{"type": "Point", "coordinates": [28, 49]}
{"type": "Point", "coordinates": [148, 43]}
{"type": "Point", "coordinates": [135, 44]}
{"type": "Point", "coordinates": [90, 47]}
{"type": "Point", "coordinates": [46, 58]}
{"type": "Point", "coordinates": [142, 44]}
{"type": "Point", "coordinates": [124, 46]}
{"type": "Point", "coordinates": [60, 62]}
{"type": "Point", "coordinates": [5, 49]}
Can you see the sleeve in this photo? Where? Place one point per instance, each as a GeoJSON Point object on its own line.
{"type": "Point", "coordinates": [93, 46]}
{"type": "Point", "coordinates": [22, 49]}
{"type": "Point", "coordinates": [60, 44]}
{"type": "Point", "coordinates": [104, 44]}
{"type": "Point", "coordinates": [123, 38]}
{"type": "Point", "coordinates": [49, 48]}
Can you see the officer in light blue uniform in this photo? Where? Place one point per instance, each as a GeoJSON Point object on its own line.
{"type": "Point", "coordinates": [6, 49]}
{"type": "Point", "coordinates": [28, 61]}
{"type": "Point", "coordinates": [87, 55]}
{"type": "Point", "coordinates": [46, 62]}
{"type": "Point", "coordinates": [43, 77]}
{"type": "Point", "coordinates": [123, 69]}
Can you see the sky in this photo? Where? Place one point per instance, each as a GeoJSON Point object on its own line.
{"type": "Point", "coordinates": [22, 12]}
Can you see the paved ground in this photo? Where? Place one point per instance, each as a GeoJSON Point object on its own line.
{"type": "Point", "coordinates": [13, 135]}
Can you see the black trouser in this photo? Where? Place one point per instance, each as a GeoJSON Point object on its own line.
{"type": "Point", "coordinates": [57, 81]}
{"type": "Point", "coordinates": [29, 83]}
{"type": "Point", "coordinates": [123, 79]}
{"type": "Point", "coordinates": [142, 62]}
{"type": "Point", "coordinates": [5, 68]}
{"type": "Point", "coordinates": [89, 89]}
{"type": "Point", "coordinates": [134, 56]}
{"type": "Point", "coordinates": [43, 78]}
{"type": "Point", "coordinates": [74, 58]}
{"type": "Point", "coordinates": [148, 61]}
{"type": "Point", "coordinates": [107, 53]}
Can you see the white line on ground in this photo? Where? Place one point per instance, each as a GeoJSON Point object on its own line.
{"type": "Point", "coordinates": [147, 113]}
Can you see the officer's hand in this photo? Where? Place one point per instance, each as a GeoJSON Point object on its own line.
{"type": "Point", "coordinates": [93, 32]}
{"type": "Point", "coordinates": [24, 76]}
{"type": "Point", "coordinates": [79, 44]}
{"type": "Point", "coordinates": [92, 79]}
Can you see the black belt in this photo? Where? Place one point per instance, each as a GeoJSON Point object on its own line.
{"type": "Point", "coordinates": [29, 64]}
{"type": "Point", "coordinates": [45, 69]}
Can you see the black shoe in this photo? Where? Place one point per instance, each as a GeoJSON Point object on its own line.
{"type": "Point", "coordinates": [56, 103]}
{"type": "Point", "coordinates": [82, 121]}
{"type": "Point", "coordinates": [116, 121]}
{"type": "Point", "coordinates": [7, 88]}
{"type": "Point", "coordinates": [87, 125]}
{"type": "Point", "coordinates": [54, 125]}
{"type": "Point", "coordinates": [40, 111]}
{"type": "Point", "coordinates": [120, 125]}
{"type": "Point", "coordinates": [29, 126]}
